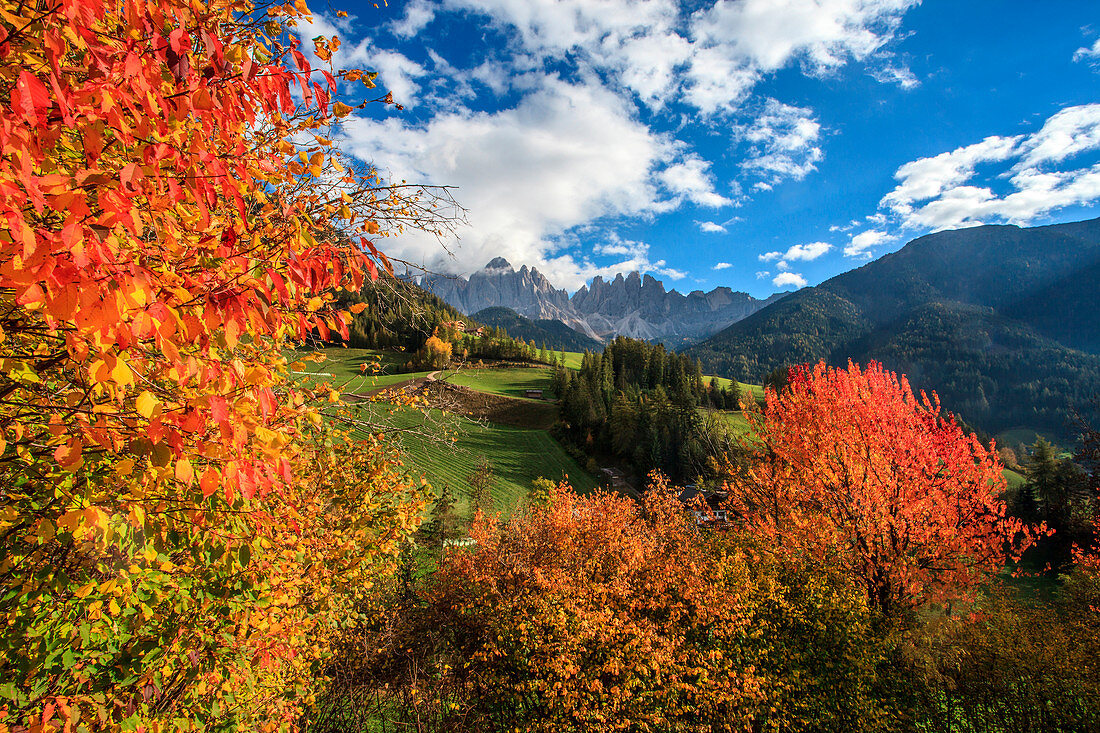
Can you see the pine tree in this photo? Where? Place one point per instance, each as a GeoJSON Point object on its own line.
{"type": "Point", "coordinates": [481, 483]}
{"type": "Point", "coordinates": [1041, 494]}
{"type": "Point", "coordinates": [442, 525]}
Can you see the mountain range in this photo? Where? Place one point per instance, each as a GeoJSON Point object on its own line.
{"type": "Point", "coordinates": [634, 306]}
{"type": "Point", "coordinates": [1002, 321]}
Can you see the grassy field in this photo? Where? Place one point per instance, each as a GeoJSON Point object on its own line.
{"type": "Point", "coordinates": [573, 359]}
{"type": "Point", "coordinates": [446, 449]}
{"type": "Point", "coordinates": [342, 369]}
{"type": "Point", "coordinates": [1013, 479]}
{"type": "Point", "coordinates": [736, 420]}
{"type": "Point", "coordinates": [509, 382]}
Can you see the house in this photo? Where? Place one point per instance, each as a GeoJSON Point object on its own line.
{"type": "Point", "coordinates": [709, 507]}
{"type": "Point", "coordinates": [533, 394]}
{"type": "Point", "coordinates": [614, 478]}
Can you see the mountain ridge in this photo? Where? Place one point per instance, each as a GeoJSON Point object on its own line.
{"type": "Point", "coordinates": [1000, 320]}
{"type": "Point", "coordinates": [632, 305]}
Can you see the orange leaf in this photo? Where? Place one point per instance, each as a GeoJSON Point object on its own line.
{"type": "Point", "coordinates": [209, 482]}
{"type": "Point", "coordinates": [69, 455]}
{"type": "Point", "coordinates": [184, 472]}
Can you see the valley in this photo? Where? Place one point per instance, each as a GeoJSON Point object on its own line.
{"type": "Point", "coordinates": [278, 454]}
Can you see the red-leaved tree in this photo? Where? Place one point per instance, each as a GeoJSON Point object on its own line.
{"type": "Point", "coordinates": [850, 469]}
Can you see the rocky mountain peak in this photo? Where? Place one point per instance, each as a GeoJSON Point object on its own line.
{"type": "Point", "coordinates": [499, 263]}
{"type": "Point", "coordinates": [630, 304]}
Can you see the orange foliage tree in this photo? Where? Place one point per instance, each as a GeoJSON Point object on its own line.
{"type": "Point", "coordinates": [171, 214]}
{"type": "Point", "coordinates": [599, 613]}
{"type": "Point", "coordinates": [850, 469]}
{"type": "Point", "coordinates": [595, 613]}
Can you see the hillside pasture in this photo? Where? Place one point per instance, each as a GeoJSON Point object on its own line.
{"type": "Point", "coordinates": [445, 448]}
{"type": "Point", "coordinates": [342, 368]}
{"type": "Point", "coordinates": [508, 382]}
{"type": "Point", "coordinates": [573, 359]}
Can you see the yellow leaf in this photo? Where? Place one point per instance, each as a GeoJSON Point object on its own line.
{"type": "Point", "coordinates": [147, 404]}
{"type": "Point", "coordinates": [121, 374]}
{"type": "Point", "coordinates": [315, 304]}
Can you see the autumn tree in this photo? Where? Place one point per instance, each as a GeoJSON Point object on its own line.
{"type": "Point", "coordinates": [594, 613]}
{"type": "Point", "coordinates": [436, 353]}
{"type": "Point", "coordinates": [599, 613]}
{"type": "Point", "coordinates": [481, 485]}
{"type": "Point", "coordinates": [172, 507]}
{"type": "Point", "coordinates": [851, 470]}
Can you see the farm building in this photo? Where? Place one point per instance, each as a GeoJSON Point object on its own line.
{"type": "Point", "coordinates": [707, 506]}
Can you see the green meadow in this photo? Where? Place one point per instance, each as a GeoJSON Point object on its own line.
{"type": "Point", "coordinates": [445, 448]}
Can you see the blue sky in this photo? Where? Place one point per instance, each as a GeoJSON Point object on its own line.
{"type": "Point", "coordinates": [759, 144]}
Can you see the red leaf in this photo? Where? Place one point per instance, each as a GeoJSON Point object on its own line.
{"type": "Point", "coordinates": [209, 482]}
{"type": "Point", "coordinates": [34, 97]}
{"type": "Point", "coordinates": [219, 410]}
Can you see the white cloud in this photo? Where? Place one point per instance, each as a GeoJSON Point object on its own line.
{"type": "Point", "coordinates": [690, 181]}
{"type": "Point", "coordinates": [762, 274]}
{"type": "Point", "coordinates": [900, 75]}
{"type": "Point", "coordinates": [786, 279]}
{"type": "Point", "coordinates": [927, 178]}
{"type": "Point", "coordinates": [745, 39]}
{"type": "Point", "coordinates": [722, 266]}
{"type": "Point", "coordinates": [634, 38]}
{"type": "Point", "coordinates": [798, 252]}
{"type": "Point", "coordinates": [418, 14]}
{"type": "Point", "coordinates": [580, 150]}
{"type": "Point", "coordinates": [861, 244]}
{"type": "Point", "coordinates": [807, 252]}
{"type": "Point", "coordinates": [566, 155]}
{"type": "Point", "coordinates": [782, 143]}
{"type": "Point", "coordinates": [824, 33]}
{"type": "Point", "coordinates": [636, 256]}
{"type": "Point", "coordinates": [941, 192]}
{"type": "Point", "coordinates": [1072, 131]}
{"type": "Point", "coordinates": [717, 83]}
{"type": "Point", "coordinates": [711, 58]}
{"type": "Point", "coordinates": [1088, 54]}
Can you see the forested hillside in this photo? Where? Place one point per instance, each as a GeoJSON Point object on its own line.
{"type": "Point", "coordinates": [1000, 321]}
{"type": "Point", "coordinates": [640, 403]}
{"type": "Point", "coordinates": [390, 313]}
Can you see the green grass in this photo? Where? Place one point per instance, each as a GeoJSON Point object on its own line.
{"type": "Point", "coordinates": [509, 382]}
{"type": "Point", "coordinates": [342, 368]}
{"type": "Point", "coordinates": [573, 359]}
{"type": "Point", "coordinates": [755, 390]}
{"type": "Point", "coordinates": [1013, 479]}
{"type": "Point", "coordinates": [446, 448]}
{"type": "Point", "coordinates": [737, 422]}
